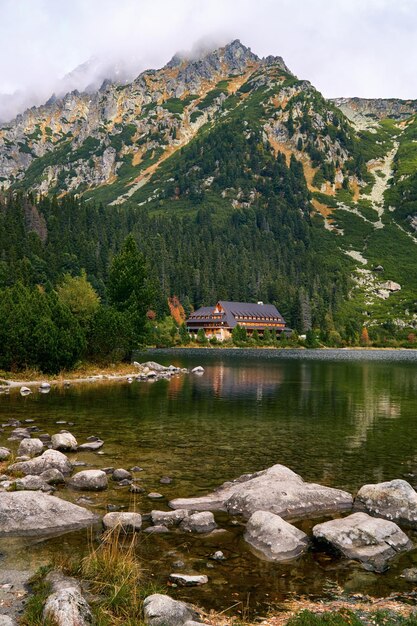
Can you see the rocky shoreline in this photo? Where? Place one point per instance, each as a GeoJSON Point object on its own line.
{"type": "Point", "coordinates": [37, 468]}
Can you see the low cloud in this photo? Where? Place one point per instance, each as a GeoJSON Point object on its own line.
{"type": "Point", "coordinates": [344, 47]}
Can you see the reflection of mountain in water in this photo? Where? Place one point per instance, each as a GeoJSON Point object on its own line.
{"type": "Point", "coordinates": [238, 381]}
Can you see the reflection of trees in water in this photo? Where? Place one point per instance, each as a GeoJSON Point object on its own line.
{"type": "Point", "coordinates": [225, 380]}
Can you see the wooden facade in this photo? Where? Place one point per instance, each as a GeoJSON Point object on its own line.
{"type": "Point", "coordinates": [220, 320]}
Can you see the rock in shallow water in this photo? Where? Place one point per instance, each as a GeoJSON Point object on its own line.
{"type": "Point", "coordinates": [89, 480]}
{"type": "Point", "coordinates": [127, 522]}
{"type": "Point", "coordinates": [121, 474]}
{"type": "Point", "coordinates": [410, 575]}
{"type": "Point", "coordinates": [168, 518]}
{"type": "Point", "coordinates": [26, 513]}
{"type": "Point", "coordinates": [199, 523]}
{"type": "Point", "coordinates": [161, 610]}
{"type": "Point", "coordinates": [188, 580]}
{"type": "Point", "coordinates": [159, 529]}
{"type": "Point", "coordinates": [32, 483]}
{"type": "Point", "coordinates": [395, 500]}
{"type": "Point", "coordinates": [278, 490]}
{"type": "Point", "coordinates": [273, 538]}
{"type": "Point", "coordinates": [50, 459]}
{"type": "Point", "coordinates": [91, 446]}
{"type": "Point", "coordinates": [64, 442]}
{"type": "Point", "coordinates": [30, 447]}
{"type": "Point", "coordinates": [373, 542]}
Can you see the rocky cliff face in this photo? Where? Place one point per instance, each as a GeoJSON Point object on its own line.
{"type": "Point", "coordinates": [364, 111]}
{"type": "Point", "coordinates": [84, 139]}
{"type": "Point", "coordinates": [118, 135]}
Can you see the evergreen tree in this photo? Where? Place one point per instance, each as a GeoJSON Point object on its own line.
{"type": "Point", "coordinates": [128, 287]}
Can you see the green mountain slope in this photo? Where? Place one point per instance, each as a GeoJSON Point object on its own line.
{"type": "Point", "coordinates": [239, 181]}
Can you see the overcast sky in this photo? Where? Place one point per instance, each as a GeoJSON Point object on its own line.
{"type": "Point", "coordinates": [344, 47]}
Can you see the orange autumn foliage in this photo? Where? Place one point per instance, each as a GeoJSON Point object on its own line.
{"type": "Point", "coordinates": [176, 310]}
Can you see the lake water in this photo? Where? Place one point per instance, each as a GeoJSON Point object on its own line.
{"type": "Point", "coordinates": [340, 418]}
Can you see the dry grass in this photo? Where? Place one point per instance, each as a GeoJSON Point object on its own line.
{"type": "Point", "coordinates": [306, 612]}
{"type": "Point", "coordinates": [83, 371]}
{"type": "Point", "coordinates": [115, 576]}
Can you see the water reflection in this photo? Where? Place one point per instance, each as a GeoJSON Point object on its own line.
{"type": "Point", "coordinates": [340, 422]}
{"type": "Point", "coordinates": [228, 381]}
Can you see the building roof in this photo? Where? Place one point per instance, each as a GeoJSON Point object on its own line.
{"type": "Point", "coordinates": [232, 311]}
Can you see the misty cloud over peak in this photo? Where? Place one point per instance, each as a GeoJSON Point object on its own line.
{"type": "Point", "coordinates": [344, 47]}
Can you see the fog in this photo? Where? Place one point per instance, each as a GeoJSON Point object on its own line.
{"type": "Point", "coordinates": [344, 47]}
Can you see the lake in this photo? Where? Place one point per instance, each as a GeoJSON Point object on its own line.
{"type": "Point", "coordinates": [341, 418]}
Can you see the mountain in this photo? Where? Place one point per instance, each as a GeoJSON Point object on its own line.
{"type": "Point", "coordinates": [293, 198]}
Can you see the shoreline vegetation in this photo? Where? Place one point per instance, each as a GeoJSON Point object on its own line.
{"type": "Point", "coordinates": [119, 372]}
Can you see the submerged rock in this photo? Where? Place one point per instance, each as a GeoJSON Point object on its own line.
{"type": "Point", "coordinates": [50, 459]}
{"type": "Point", "coordinates": [278, 490]}
{"type": "Point", "coordinates": [154, 495]}
{"type": "Point", "coordinates": [25, 513]}
{"type": "Point", "coordinates": [91, 446]}
{"type": "Point", "coordinates": [188, 580]}
{"type": "Point", "coordinates": [89, 480]}
{"type": "Point", "coordinates": [161, 610]}
{"type": "Point", "coordinates": [410, 575]}
{"type": "Point", "coordinates": [156, 530]}
{"type": "Point", "coordinates": [273, 538]}
{"type": "Point", "coordinates": [395, 500]}
{"type": "Point", "coordinates": [199, 523]}
{"type": "Point", "coordinates": [373, 542]}
{"type": "Point", "coordinates": [128, 522]}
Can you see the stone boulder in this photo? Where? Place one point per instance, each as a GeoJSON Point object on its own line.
{"type": "Point", "coordinates": [156, 367]}
{"type": "Point", "coordinates": [25, 513]}
{"type": "Point", "coordinates": [127, 522]}
{"type": "Point", "coordinates": [278, 490]}
{"type": "Point", "coordinates": [30, 447]}
{"type": "Point", "coordinates": [65, 442]}
{"type": "Point", "coordinates": [53, 477]}
{"type": "Point", "coordinates": [188, 580]}
{"type": "Point", "coordinates": [395, 500]}
{"type": "Point", "coordinates": [89, 480]}
{"type": "Point", "coordinates": [121, 474]}
{"type": "Point", "coordinates": [66, 605]}
{"type": "Point", "coordinates": [32, 483]}
{"type": "Point", "coordinates": [199, 523]}
{"type": "Point", "coordinates": [168, 518]}
{"type": "Point", "coordinates": [91, 446]}
{"type": "Point", "coordinates": [19, 433]}
{"type": "Point", "coordinates": [373, 542]}
{"type": "Point", "coordinates": [4, 454]}
{"type": "Point", "coordinates": [50, 459]}
{"type": "Point", "coordinates": [390, 285]}
{"type": "Point", "coordinates": [273, 538]}
{"type": "Point", "coordinates": [161, 610]}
